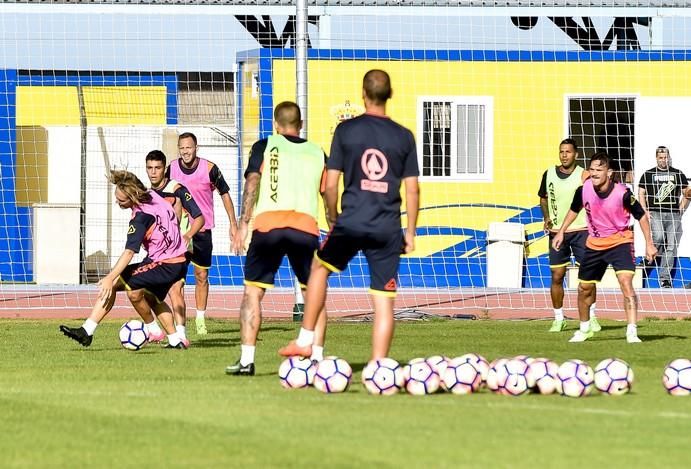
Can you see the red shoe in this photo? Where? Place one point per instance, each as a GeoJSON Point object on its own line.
{"type": "Point", "coordinates": [293, 350]}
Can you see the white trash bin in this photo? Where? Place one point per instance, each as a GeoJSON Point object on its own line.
{"type": "Point", "coordinates": [505, 255]}
{"type": "Point", "coordinates": [56, 243]}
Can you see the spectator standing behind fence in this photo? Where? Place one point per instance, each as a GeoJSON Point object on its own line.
{"type": "Point", "coordinates": [660, 193]}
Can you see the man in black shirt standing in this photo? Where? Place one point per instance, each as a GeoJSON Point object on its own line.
{"type": "Point", "coordinates": [375, 155]}
{"type": "Point", "coordinates": [660, 193]}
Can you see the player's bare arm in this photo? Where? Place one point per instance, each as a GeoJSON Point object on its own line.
{"type": "Point", "coordinates": [107, 283]}
{"type": "Point", "coordinates": [559, 237]}
{"type": "Point", "coordinates": [545, 214]}
{"type": "Point", "coordinates": [331, 194]}
{"type": "Point", "coordinates": [650, 249]}
{"type": "Point", "coordinates": [412, 204]}
{"type": "Point", "coordinates": [196, 225]}
{"type": "Point", "coordinates": [230, 210]}
{"type": "Point", "coordinates": [642, 198]}
{"type": "Point", "coordinates": [249, 200]}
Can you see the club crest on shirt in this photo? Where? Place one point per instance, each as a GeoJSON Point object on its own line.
{"type": "Point", "coordinates": [131, 230]}
{"type": "Point", "coordinates": [374, 166]}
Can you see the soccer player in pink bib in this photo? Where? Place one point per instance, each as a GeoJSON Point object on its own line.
{"type": "Point", "coordinates": [201, 177]}
{"type": "Point", "coordinates": [608, 208]}
{"type": "Point", "coordinates": [154, 226]}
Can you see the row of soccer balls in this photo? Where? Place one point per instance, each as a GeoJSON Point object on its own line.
{"type": "Point", "coordinates": [468, 373]}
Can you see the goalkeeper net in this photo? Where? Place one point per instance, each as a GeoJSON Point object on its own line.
{"type": "Point", "coordinates": [489, 91]}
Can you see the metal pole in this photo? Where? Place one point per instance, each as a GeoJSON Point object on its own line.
{"type": "Point", "coordinates": [301, 62]}
{"type": "Point", "coordinates": [301, 100]}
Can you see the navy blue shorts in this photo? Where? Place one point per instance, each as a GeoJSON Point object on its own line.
{"type": "Point", "coordinates": [595, 263]}
{"type": "Point", "coordinates": [266, 252]}
{"type": "Point", "coordinates": [574, 243]}
{"type": "Point", "coordinates": [202, 247]}
{"type": "Point", "coordinates": [382, 251]}
{"type": "Point", "coordinates": [154, 277]}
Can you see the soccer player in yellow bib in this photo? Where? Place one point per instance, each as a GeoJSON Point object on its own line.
{"type": "Point", "coordinates": [557, 187]}
{"type": "Point", "coordinates": [284, 178]}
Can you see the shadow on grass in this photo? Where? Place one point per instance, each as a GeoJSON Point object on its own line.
{"type": "Point", "coordinates": [643, 337]}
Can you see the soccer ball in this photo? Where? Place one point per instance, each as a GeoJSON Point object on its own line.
{"type": "Point", "coordinates": [677, 377]}
{"type": "Point", "coordinates": [438, 364]}
{"type": "Point", "coordinates": [133, 335]}
{"type": "Point", "coordinates": [515, 381]}
{"type": "Point", "coordinates": [496, 374]}
{"type": "Point", "coordinates": [296, 372]}
{"type": "Point", "coordinates": [574, 378]}
{"type": "Point", "coordinates": [613, 376]}
{"type": "Point", "coordinates": [383, 376]}
{"type": "Point", "coordinates": [332, 375]}
{"type": "Point", "coordinates": [479, 362]}
{"type": "Point", "coordinates": [542, 375]}
{"type": "Point", "coordinates": [461, 376]}
{"type": "Point", "coordinates": [420, 378]}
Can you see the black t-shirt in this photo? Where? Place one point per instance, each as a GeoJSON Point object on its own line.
{"type": "Point", "coordinates": [139, 225]}
{"type": "Point", "coordinates": [215, 176]}
{"type": "Point", "coordinates": [663, 188]}
{"type": "Point", "coordinates": [375, 154]}
{"type": "Point", "coordinates": [631, 204]}
{"type": "Point", "coordinates": [186, 199]}
{"type": "Point", "coordinates": [257, 154]}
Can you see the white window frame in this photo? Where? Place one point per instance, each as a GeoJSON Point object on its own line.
{"type": "Point", "coordinates": [488, 139]}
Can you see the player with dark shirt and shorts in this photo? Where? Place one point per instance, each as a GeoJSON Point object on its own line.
{"type": "Point", "coordinates": [608, 207]}
{"type": "Point", "coordinates": [154, 226]}
{"type": "Point", "coordinates": [375, 155]}
{"type": "Point", "coordinates": [201, 177]}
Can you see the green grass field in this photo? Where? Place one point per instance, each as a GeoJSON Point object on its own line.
{"type": "Point", "coordinates": [65, 406]}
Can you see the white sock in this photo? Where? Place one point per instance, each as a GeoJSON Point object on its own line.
{"type": "Point", "coordinates": [317, 353]}
{"type": "Point", "coordinates": [305, 338]}
{"type": "Point", "coordinates": [592, 311]}
{"type": "Point", "coordinates": [631, 329]}
{"type": "Point", "coordinates": [153, 327]}
{"type": "Point", "coordinates": [585, 326]}
{"type": "Point", "coordinates": [558, 314]}
{"type": "Point", "coordinates": [247, 354]}
{"type": "Point", "coordinates": [200, 313]}
{"type": "Point", "coordinates": [174, 339]}
{"type": "Point", "coordinates": [182, 331]}
{"type": "Point", "coordinates": [90, 326]}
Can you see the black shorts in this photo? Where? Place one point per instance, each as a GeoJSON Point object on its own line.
{"type": "Point", "coordinates": [154, 277]}
{"type": "Point", "coordinates": [202, 247]}
{"type": "Point", "coordinates": [266, 252]}
{"type": "Point", "coordinates": [595, 263]}
{"type": "Point", "coordinates": [574, 242]}
{"type": "Point", "coordinates": [382, 251]}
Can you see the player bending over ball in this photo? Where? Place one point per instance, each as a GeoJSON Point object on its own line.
{"type": "Point", "coordinates": [153, 225]}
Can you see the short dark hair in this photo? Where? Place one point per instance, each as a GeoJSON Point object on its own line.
{"type": "Point", "coordinates": [569, 141]}
{"type": "Point", "coordinates": [603, 158]}
{"type": "Point", "coordinates": [662, 149]}
{"type": "Point", "coordinates": [188, 135]}
{"type": "Point", "coordinates": [156, 155]}
{"type": "Point", "coordinates": [377, 86]}
{"type": "Point", "coordinates": [287, 114]}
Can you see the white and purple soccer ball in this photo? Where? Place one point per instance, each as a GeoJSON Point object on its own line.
{"type": "Point", "coordinates": [542, 375]}
{"type": "Point", "coordinates": [575, 378]}
{"type": "Point", "coordinates": [479, 362]}
{"type": "Point", "coordinates": [512, 377]}
{"type": "Point", "coordinates": [461, 376]}
{"type": "Point", "coordinates": [496, 375]}
{"type": "Point", "coordinates": [677, 377]}
{"type": "Point", "coordinates": [133, 335]}
{"type": "Point", "coordinates": [438, 364]}
{"type": "Point", "coordinates": [332, 375]}
{"type": "Point", "coordinates": [420, 378]}
{"type": "Point", "coordinates": [383, 377]}
{"type": "Point", "coordinates": [296, 372]}
{"type": "Point", "coordinates": [613, 376]}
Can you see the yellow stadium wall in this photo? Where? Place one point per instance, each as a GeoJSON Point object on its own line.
{"type": "Point", "coordinates": [529, 118]}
